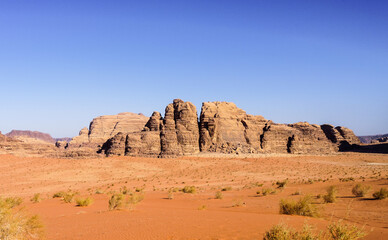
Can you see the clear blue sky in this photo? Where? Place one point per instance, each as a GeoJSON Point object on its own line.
{"type": "Point", "coordinates": [62, 63]}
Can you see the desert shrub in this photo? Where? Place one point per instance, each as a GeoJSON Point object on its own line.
{"type": "Point", "coordinates": [239, 203]}
{"type": "Point", "coordinates": [331, 195]}
{"type": "Point", "coordinates": [99, 191]}
{"type": "Point", "coordinates": [360, 190]}
{"type": "Point", "coordinates": [283, 232]}
{"type": "Point", "coordinates": [189, 189]}
{"type": "Point", "coordinates": [84, 202]}
{"type": "Point", "coordinates": [116, 201]}
{"type": "Point", "coordinates": [135, 198]}
{"type": "Point", "coordinates": [170, 195]}
{"type": "Point", "coordinates": [202, 207]}
{"type": "Point", "coordinates": [335, 231]}
{"type": "Point", "coordinates": [11, 202]}
{"type": "Point", "coordinates": [59, 194]}
{"type": "Point", "coordinates": [349, 179]}
{"type": "Point", "coordinates": [267, 191]}
{"type": "Point", "coordinates": [278, 232]}
{"type": "Point", "coordinates": [229, 188]}
{"type": "Point", "coordinates": [124, 190]}
{"type": "Point", "coordinates": [341, 231]}
{"type": "Point", "coordinates": [219, 195]}
{"type": "Point", "coordinates": [36, 198]}
{"type": "Point", "coordinates": [297, 193]}
{"type": "Point", "coordinates": [381, 194]}
{"type": "Point", "coordinates": [16, 224]}
{"type": "Point", "coordinates": [302, 207]}
{"type": "Point", "coordinates": [282, 184]}
{"type": "Point", "coordinates": [68, 197]}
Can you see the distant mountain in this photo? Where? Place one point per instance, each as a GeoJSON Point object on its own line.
{"type": "Point", "coordinates": [36, 135]}
{"type": "Point", "coordinates": [66, 139]}
{"type": "Point", "coordinates": [368, 139]}
{"type": "Point", "coordinates": [31, 134]}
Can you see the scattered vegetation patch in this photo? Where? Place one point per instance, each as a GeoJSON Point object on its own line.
{"type": "Point", "coordinates": [282, 184]}
{"type": "Point", "coordinates": [267, 191]}
{"type": "Point", "coordinates": [189, 189]}
{"type": "Point", "coordinates": [229, 188]}
{"type": "Point", "coordinates": [360, 190]}
{"type": "Point", "coordinates": [116, 201]}
{"type": "Point", "coordinates": [17, 224]}
{"type": "Point", "coordinates": [36, 198]}
{"type": "Point", "coordinates": [302, 207]}
{"type": "Point", "coordinates": [239, 203]}
{"type": "Point", "coordinates": [335, 231]}
{"type": "Point", "coordinates": [69, 196]}
{"type": "Point", "coordinates": [349, 179]}
{"type": "Point", "coordinates": [59, 194]}
{"type": "Point", "coordinates": [219, 195]}
{"type": "Point", "coordinates": [283, 232]}
{"type": "Point", "coordinates": [84, 202]}
{"type": "Point", "coordinates": [331, 195]}
{"type": "Point", "coordinates": [343, 231]}
{"type": "Point", "coordinates": [381, 194]}
{"type": "Point", "coordinates": [202, 207]}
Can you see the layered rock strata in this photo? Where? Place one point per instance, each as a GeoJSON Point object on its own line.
{"type": "Point", "coordinates": [224, 128]}
{"type": "Point", "coordinates": [105, 127]}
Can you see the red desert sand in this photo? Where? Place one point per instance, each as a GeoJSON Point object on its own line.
{"type": "Point", "coordinates": [241, 213]}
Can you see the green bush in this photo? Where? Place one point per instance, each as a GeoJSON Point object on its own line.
{"type": "Point", "coordinates": [331, 195]}
{"type": "Point", "coordinates": [189, 189]}
{"type": "Point", "coordinates": [360, 190]}
{"type": "Point", "coordinates": [84, 202]}
{"type": "Point", "coordinates": [303, 207]}
{"type": "Point", "coordinates": [381, 194]}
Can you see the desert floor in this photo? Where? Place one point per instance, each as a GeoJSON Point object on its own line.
{"type": "Point", "coordinates": [240, 214]}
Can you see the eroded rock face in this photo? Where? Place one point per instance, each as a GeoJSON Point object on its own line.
{"type": "Point", "coordinates": [225, 128]}
{"type": "Point", "coordinates": [31, 134]}
{"type": "Point", "coordinates": [175, 134]}
{"type": "Point", "coordinates": [180, 134]}
{"type": "Point", "coordinates": [105, 127]}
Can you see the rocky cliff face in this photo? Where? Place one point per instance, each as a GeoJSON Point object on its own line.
{"type": "Point", "coordinates": [175, 134]}
{"type": "Point", "coordinates": [105, 127]}
{"type": "Point", "coordinates": [224, 128]}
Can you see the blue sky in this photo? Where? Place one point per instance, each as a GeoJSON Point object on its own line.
{"type": "Point", "coordinates": [62, 63]}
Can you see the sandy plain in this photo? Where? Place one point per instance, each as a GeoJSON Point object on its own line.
{"type": "Point", "coordinates": [198, 215]}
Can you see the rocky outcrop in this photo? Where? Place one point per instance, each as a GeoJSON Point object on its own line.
{"type": "Point", "coordinates": [225, 128]}
{"type": "Point", "coordinates": [175, 134]}
{"type": "Point", "coordinates": [180, 134]}
{"type": "Point", "coordinates": [105, 127]}
{"type": "Point", "coordinates": [340, 134]}
{"type": "Point", "coordinates": [31, 134]}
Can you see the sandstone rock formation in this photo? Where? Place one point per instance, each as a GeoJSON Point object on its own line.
{"type": "Point", "coordinates": [224, 128]}
{"type": "Point", "coordinates": [175, 134]}
{"type": "Point", "coordinates": [104, 127]}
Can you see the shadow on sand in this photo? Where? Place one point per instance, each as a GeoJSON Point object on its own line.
{"type": "Point", "coordinates": [370, 148]}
